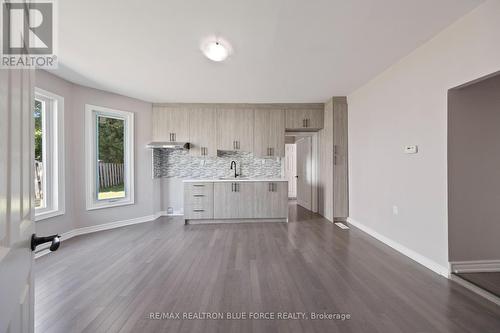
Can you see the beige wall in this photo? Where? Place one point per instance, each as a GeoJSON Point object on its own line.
{"type": "Point", "coordinates": [146, 189]}
{"type": "Point", "coordinates": [407, 104]}
{"type": "Point", "coordinates": [474, 171]}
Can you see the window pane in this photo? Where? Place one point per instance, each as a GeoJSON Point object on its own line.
{"type": "Point", "coordinates": [39, 115]}
{"type": "Point", "coordinates": [110, 158]}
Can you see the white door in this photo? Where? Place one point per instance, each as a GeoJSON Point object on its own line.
{"type": "Point", "coordinates": [16, 206]}
{"type": "Point", "coordinates": [304, 172]}
{"type": "Point", "coordinates": [291, 169]}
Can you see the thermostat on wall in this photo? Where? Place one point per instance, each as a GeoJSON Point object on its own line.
{"type": "Point", "coordinates": [413, 149]}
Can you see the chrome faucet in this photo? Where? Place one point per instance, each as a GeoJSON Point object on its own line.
{"type": "Point", "coordinates": [235, 173]}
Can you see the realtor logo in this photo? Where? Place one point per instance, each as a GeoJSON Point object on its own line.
{"type": "Point", "coordinates": [28, 34]}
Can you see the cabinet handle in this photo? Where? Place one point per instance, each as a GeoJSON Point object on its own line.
{"type": "Point", "coordinates": [272, 151]}
{"type": "Point", "coordinates": [198, 195]}
{"type": "Point", "coordinates": [232, 187]}
{"type": "Point", "coordinates": [170, 137]}
{"type": "Point", "coordinates": [237, 145]}
{"type": "Point", "coordinates": [198, 210]}
{"type": "Point", "coordinates": [199, 185]}
{"type": "Point", "coordinates": [269, 187]}
{"type": "Point", "coordinates": [307, 122]}
{"type": "Point", "coordinates": [303, 123]}
{"type": "Point", "coordinates": [174, 136]}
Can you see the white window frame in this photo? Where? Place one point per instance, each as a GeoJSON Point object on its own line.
{"type": "Point", "coordinates": [91, 114]}
{"type": "Point", "coordinates": [53, 156]}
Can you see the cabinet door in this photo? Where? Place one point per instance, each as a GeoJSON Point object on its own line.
{"type": "Point", "coordinates": [202, 132]}
{"type": "Point", "coordinates": [304, 119]}
{"type": "Point", "coordinates": [233, 200]}
{"type": "Point", "coordinates": [314, 118]}
{"type": "Point", "coordinates": [269, 133]}
{"type": "Point", "coordinates": [340, 176]}
{"type": "Point", "coordinates": [235, 129]}
{"type": "Point", "coordinates": [170, 124]}
{"type": "Point", "coordinates": [277, 133]}
{"type": "Point", "coordinates": [161, 131]}
{"type": "Point", "coordinates": [179, 123]}
{"type": "Point", "coordinates": [271, 200]}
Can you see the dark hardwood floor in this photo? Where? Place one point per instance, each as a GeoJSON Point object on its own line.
{"type": "Point", "coordinates": [111, 281]}
{"type": "Point", "coordinates": [489, 281]}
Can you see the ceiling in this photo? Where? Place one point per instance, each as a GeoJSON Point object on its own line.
{"type": "Point", "coordinates": [283, 50]}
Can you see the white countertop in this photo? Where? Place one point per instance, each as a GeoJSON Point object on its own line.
{"type": "Point", "coordinates": [217, 180]}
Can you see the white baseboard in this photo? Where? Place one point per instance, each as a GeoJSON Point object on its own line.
{"type": "Point", "coordinates": [424, 261]}
{"type": "Point", "coordinates": [475, 266]}
{"type": "Point", "coordinates": [44, 248]}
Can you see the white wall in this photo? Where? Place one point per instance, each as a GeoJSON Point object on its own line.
{"type": "Point", "coordinates": [147, 190]}
{"type": "Point", "coordinates": [407, 104]}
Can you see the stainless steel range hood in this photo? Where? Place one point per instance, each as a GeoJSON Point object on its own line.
{"type": "Point", "coordinates": [168, 145]}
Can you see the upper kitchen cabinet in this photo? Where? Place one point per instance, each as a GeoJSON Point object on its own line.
{"type": "Point", "coordinates": [235, 129]}
{"type": "Point", "coordinates": [269, 133]}
{"type": "Point", "coordinates": [307, 119]}
{"type": "Point", "coordinates": [202, 134]}
{"type": "Point", "coordinates": [170, 124]}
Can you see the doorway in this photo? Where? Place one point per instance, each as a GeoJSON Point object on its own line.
{"type": "Point", "coordinates": [474, 184]}
{"type": "Point", "coordinates": [304, 174]}
{"type": "Point", "coordinates": [301, 162]}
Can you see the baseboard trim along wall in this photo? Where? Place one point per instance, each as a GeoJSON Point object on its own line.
{"type": "Point", "coordinates": [475, 266]}
{"type": "Point", "coordinates": [472, 287]}
{"type": "Point", "coordinates": [422, 260]}
{"type": "Point", "coordinates": [44, 248]}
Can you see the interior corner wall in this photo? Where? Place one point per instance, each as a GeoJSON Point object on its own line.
{"type": "Point", "coordinates": [407, 104]}
{"type": "Point", "coordinates": [474, 171]}
{"type": "Point", "coordinates": [147, 189]}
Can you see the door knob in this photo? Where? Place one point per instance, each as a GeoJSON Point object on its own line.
{"type": "Point", "coordinates": [55, 239]}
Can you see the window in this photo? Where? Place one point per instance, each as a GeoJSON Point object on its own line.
{"type": "Point", "coordinates": [48, 117]}
{"type": "Point", "coordinates": [109, 157]}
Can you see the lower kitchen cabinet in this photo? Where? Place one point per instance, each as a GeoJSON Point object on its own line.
{"type": "Point", "coordinates": [225, 201]}
{"type": "Point", "coordinates": [271, 200]}
{"type": "Point", "coordinates": [234, 200]}
{"type": "Point", "coordinates": [198, 201]}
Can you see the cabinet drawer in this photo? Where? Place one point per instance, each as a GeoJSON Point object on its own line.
{"type": "Point", "coordinates": [199, 188]}
{"type": "Point", "coordinates": [198, 212]}
{"type": "Point", "coordinates": [199, 200]}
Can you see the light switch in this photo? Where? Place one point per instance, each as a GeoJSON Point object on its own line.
{"type": "Point", "coordinates": [413, 149]}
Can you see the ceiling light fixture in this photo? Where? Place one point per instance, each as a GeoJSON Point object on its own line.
{"type": "Point", "coordinates": [216, 50]}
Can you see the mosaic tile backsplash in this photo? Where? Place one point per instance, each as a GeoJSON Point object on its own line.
{"type": "Point", "coordinates": [169, 163]}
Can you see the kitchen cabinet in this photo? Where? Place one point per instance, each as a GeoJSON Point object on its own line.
{"type": "Point", "coordinates": [269, 133]}
{"type": "Point", "coordinates": [271, 200]}
{"type": "Point", "coordinates": [198, 200]}
{"type": "Point", "coordinates": [340, 175]}
{"type": "Point", "coordinates": [234, 200]}
{"type": "Point", "coordinates": [333, 200]}
{"type": "Point", "coordinates": [304, 119]}
{"type": "Point", "coordinates": [202, 133]}
{"type": "Point", "coordinates": [235, 129]}
{"type": "Point", "coordinates": [170, 124]}
{"type": "Point", "coordinates": [247, 200]}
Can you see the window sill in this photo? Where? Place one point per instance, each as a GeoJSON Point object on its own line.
{"type": "Point", "coordinates": [48, 214]}
{"type": "Point", "coordinates": [109, 204]}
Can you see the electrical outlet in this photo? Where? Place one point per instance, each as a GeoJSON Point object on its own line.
{"type": "Point", "coordinates": [395, 210]}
